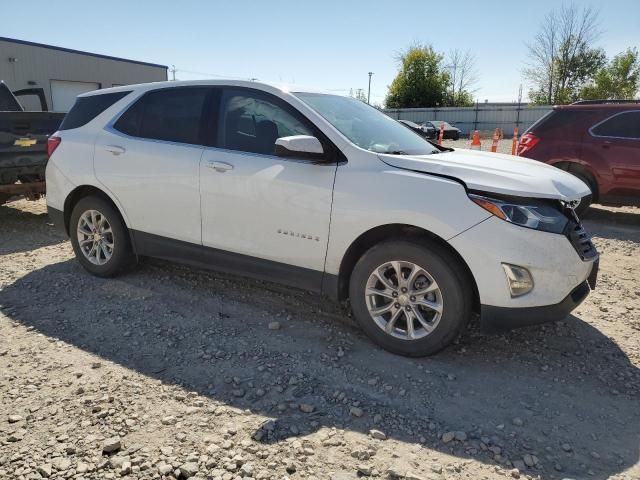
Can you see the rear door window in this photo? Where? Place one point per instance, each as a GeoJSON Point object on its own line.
{"type": "Point", "coordinates": [171, 114]}
{"type": "Point", "coordinates": [621, 125]}
{"type": "Point", "coordinates": [87, 108]}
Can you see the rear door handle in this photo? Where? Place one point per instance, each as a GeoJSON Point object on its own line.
{"type": "Point", "coordinates": [115, 149]}
{"type": "Point", "coordinates": [219, 166]}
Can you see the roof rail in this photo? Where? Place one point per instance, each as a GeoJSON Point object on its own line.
{"type": "Point", "coordinates": [597, 102]}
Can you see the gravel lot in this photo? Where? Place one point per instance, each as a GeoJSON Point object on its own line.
{"type": "Point", "coordinates": [176, 372]}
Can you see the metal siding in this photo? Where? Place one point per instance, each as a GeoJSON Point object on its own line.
{"type": "Point", "coordinates": [488, 117]}
{"type": "Point", "coordinates": [41, 65]}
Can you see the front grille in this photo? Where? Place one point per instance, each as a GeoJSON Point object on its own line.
{"type": "Point", "coordinates": [580, 241]}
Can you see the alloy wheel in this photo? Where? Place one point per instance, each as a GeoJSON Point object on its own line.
{"type": "Point", "coordinates": [404, 300]}
{"type": "Point", "coordinates": [95, 237]}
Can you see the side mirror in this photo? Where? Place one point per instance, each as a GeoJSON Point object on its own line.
{"type": "Point", "coordinates": [300, 146]}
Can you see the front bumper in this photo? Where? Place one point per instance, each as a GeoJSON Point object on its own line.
{"type": "Point", "coordinates": [559, 272]}
{"type": "Point", "coordinates": [504, 318]}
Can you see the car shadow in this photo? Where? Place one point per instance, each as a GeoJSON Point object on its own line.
{"type": "Point", "coordinates": [22, 230]}
{"type": "Point", "coordinates": [524, 392]}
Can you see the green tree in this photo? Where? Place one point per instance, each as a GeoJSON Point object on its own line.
{"type": "Point", "coordinates": [562, 59]}
{"type": "Point", "coordinates": [421, 81]}
{"type": "Point", "coordinates": [619, 80]}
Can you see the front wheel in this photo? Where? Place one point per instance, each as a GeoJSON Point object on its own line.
{"type": "Point", "coordinates": [411, 299]}
{"type": "Point", "coordinates": [99, 237]}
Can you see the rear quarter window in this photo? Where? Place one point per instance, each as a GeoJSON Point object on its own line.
{"type": "Point", "coordinates": [620, 125]}
{"type": "Point", "coordinates": [87, 108]}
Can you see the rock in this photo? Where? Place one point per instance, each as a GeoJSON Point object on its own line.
{"type": "Point", "coordinates": [117, 461]}
{"type": "Point", "coordinates": [82, 467]}
{"type": "Point", "coordinates": [189, 469]}
{"type": "Point", "coordinates": [448, 436]}
{"type": "Point", "coordinates": [364, 470]}
{"type": "Point", "coordinates": [164, 469]}
{"type": "Point", "coordinates": [45, 470]}
{"type": "Point", "coordinates": [530, 460]}
{"type": "Point", "coordinates": [436, 468]}
{"type": "Point", "coordinates": [356, 412]}
{"type": "Point", "coordinates": [126, 468]}
{"type": "Point", "coordinates": [395, 472]}
{"type": "Point", "coordinates": [61, 464]}
{"type": "Point", "coordinates": [461, 436]}
{"type": "Point", "coordinates": [15, 418]}
{"type": "Point", "coordinates": [515, 473]}
{"type": "Point", "coordinates": [274, 325]}
{"type": "Point", "coordinates": [518, 422]}
{"type": "Point", "coordinates": [377, 434]}
{"type": "Point", "coordinates": [111, 445]}
{"type": "Point", "coordinates": [306, 408]}
{"type": "Point", "coordinates": [169, 420]}
{"type": "Point", "coordinates": [566, 447]}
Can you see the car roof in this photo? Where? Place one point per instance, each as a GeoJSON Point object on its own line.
{"type": "Point", "coordinates": [632, 105]}
{"type": "Point", "coordinates": [265, 86]}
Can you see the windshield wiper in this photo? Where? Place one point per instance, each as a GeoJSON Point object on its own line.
{"type": "Point", "coordinates": [396, 152]}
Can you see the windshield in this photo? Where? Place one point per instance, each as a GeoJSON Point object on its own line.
{"type": "Point", "coordinates": [367, 127]}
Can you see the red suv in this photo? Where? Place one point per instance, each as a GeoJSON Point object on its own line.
{"type": "Point", "coordinates": [597, 141]}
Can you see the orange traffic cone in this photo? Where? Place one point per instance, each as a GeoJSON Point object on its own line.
{"type": "Point", "coordinates": [496, 137]}
{"type": "Point", "coordinates": [514, 142]}
{"type": "Point", "coordinates": [441, 135]}
{"type": "Point", "coordinates": [475, 141]}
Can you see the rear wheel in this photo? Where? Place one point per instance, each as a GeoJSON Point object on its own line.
{"type": "Point", "coordinates": [410, 299]}
{"type": "Point", "coordinates": [100, 238]}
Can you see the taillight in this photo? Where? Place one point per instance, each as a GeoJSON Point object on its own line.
{"type": "Point", "coordinates": [527, 142]}
{"type": "Point", "coordinates": [52, 144]}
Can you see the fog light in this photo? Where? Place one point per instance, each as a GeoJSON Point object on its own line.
{"type": "Point", "coordinates": [520, 279]}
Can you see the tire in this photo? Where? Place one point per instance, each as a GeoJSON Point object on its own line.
{"type": "Point", "coordinates": [454, 295]}
{"type": "Point", "coordinates": [121, 255]}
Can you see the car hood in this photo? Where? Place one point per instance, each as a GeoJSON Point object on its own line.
{"type": "Point", "coordinates": [496, 173]}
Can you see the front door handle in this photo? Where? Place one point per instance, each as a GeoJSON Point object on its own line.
{"type": "Point", "coordinates": [115, 149]}
{"type": "Point", "coordinates": [219, 166]}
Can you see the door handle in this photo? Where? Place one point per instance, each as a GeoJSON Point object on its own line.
{"type": "Point", "coordinates": [115, 149]}
{"type": "Point", "coordinates": [219, 166]}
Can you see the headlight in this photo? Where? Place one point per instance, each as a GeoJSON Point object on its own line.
{"type": "Point", "coordinates": [529, 213]}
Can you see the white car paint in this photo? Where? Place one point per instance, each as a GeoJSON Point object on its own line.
{"type": "Point", "coordinates": [307, 215]}
{"type": "Point", "coordinates": [497, 173]}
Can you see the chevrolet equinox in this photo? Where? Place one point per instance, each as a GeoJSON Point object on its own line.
{"type": "Point", "coordinates": [324, 193]}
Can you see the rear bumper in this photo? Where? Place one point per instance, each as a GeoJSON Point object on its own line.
{"type": "Point", "coordinates": [57, 218]}
{"type": "Point", "coordinates": [505, 318]}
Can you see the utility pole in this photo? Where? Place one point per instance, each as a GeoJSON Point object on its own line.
{"type": "Point", "coordinates": [369, 94]}
{"type": "Point", "coordinates": [173, 72]}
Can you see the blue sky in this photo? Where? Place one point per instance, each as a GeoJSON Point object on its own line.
{"type": "Point", "coordinates": [327, 44]}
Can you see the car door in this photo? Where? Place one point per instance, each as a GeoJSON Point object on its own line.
{"type": "Point", "coordinates": [618, 139]}
{"type": "Point", "coordinates": [149, 159]}
{"type": "Point", "coordinates": [271, 212]}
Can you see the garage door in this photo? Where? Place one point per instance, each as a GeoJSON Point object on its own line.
{"type": "Point", "coordinates": [64, 93]}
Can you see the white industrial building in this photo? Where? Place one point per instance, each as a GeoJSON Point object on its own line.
{"type": "Point", "coordinates": [64, 73]}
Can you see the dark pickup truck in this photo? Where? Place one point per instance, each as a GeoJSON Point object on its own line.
{"type": "Point", "coordinates": [23, 144]}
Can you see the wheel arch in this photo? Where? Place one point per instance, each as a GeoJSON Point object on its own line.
{"type": "Point", "coordinates": [388, 232]}
{"type": "Point", "coordinates": [83, 191]}
{"type": "Point", "coordinates": [576, 167]}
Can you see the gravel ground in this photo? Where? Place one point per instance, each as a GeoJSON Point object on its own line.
{"type": "Point", "coordinates": [175, 372]}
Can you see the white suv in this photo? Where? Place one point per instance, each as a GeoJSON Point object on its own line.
{"type": "Point", "coordinates": [324, 193]}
